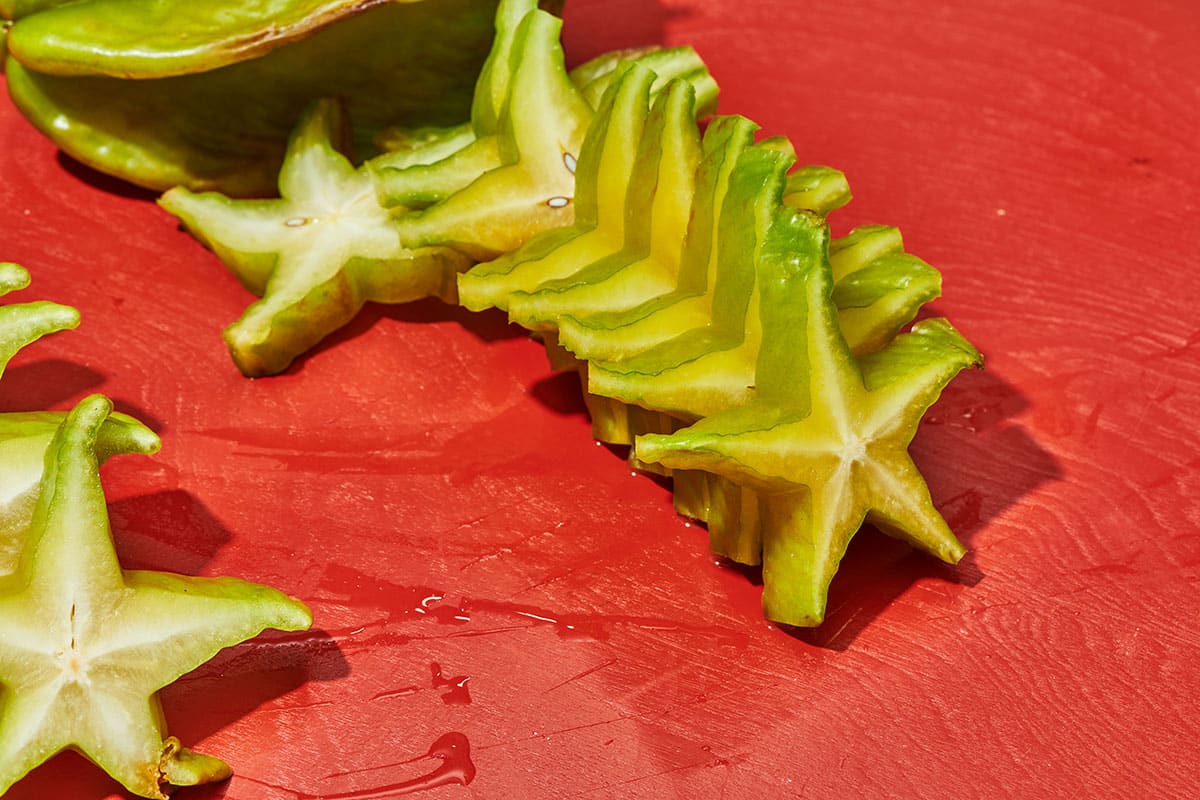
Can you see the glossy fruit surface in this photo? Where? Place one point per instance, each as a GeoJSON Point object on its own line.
{"type": "Point", "coordinates": [168, 93]}
{"type": "Point", "coordinates": [436, 497]}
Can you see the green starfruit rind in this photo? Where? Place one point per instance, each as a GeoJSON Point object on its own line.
{"type": "Point", "coordinates": [411, 64]}
{"type": "Point", "coordinates": [824, 447]}
{"type": "Point", "coordinates": [861, 246]}
{"type": "Point", "coordinates": [668, 63]}
{"type": "Point", "coordinates": [400, 182]}
{"type": "Point", "coordinates": [816, 188]}
{"type": "Point", "coordinates": [541, 128]}
{"type": "Point", "coordinates": [876, 301]}
{"type": "Point", "coordinates": [711, 367]}
{"type": "Point", "coordinates": [658, 204]}
{"type": "Point", "coordinates": [15, 9]}
{"type": "Point", "coordinates": [24, 323]}
{"type": "Point", "coordinates": [601, 173]}
{"type": "Point", "coordinates": [878, 287]}
{"type": "Point", "coordinates": [316, 254]}
{"type": "Point", "coordinates": [86, 645]}
{"type": "Point", "coordinates": [618, 334]}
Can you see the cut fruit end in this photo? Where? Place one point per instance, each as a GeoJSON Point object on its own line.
{"type": "Point", "coordinates": [179, 766]}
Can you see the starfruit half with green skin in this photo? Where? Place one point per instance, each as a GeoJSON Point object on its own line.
{"type": "Point", "coordinates": [170, 92]}
{"type": "Point", "coordinates": [824, 443]}
{"type": "Point", "coordinates": [24, 440]}
{"type": "Point", "coordinates": [316, 254]}
{"type": "Point", "coordinates": [24, 323]}
{"type": "Point", "coordinates": [85, 645]}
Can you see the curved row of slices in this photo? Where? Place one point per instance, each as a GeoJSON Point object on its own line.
{"type": "Point", "coordinates": [688, 276]}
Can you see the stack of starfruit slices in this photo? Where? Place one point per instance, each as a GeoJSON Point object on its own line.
{"type": "Point", "coordinates": [85, 645]}
{"type": "Point", "coordinates": [689, 278]}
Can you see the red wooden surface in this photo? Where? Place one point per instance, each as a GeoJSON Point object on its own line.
{"type": "Point", "coordinates": [433, 492]}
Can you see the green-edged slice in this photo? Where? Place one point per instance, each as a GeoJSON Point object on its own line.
{"type": "Point", "coordinates": [24, 323]}
{"type": "Point", "coordinates": [658, 203]}
{"type": "Point", "coordinates": [604, 167]}
{"type": "Point", "coordinates": [24, 439]}
{"type": "Point", "coordinates": [614, 335]}
{"type": "Point", "coordinates": [85, 646]}
{"type": "Point", "coordinates": [316, 254]}
{"type": "Point", "coordinates": [825, 441]}
{"type": "Point", "coordinates": [669, 63]}
{"type": "Point", "coordinates": [710, 367]}
{"type": "Point", "coordinates": [816, 188]}
{"type": "Point", "coordinates": [540, 130]}
{"type": "Point", "coordinates": [425, 167]}
{"type": "Point", "coordinates": [878, 287]}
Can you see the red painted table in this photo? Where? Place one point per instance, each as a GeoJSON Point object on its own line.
{"type": "Point", "coordinates": [478, 566]}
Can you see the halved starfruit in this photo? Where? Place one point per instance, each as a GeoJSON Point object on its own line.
{"type": "Point", "coordinates": [165, 93]}
{"type": "Point", "coordinates": [316, 254]}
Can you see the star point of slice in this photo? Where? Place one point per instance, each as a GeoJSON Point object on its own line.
{"type": "Point", "coordinates": [24, 323]}
{"type": "Point", "coordinates": [85, 645]}
{"type": "Point", "coordinates": [824, 443]}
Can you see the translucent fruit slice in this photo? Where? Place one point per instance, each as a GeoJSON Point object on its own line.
{"type": "Point", "coordinates": [85, 645]}
{"type": "Point", "coordinates": [540, 129]}
{"type": "Point", "coordinates": [603, 170]}
{"type": "Point", "coordinates": [710, 367]}
{"type": "Point", "coordinates": [658, 202]}
{"type": "Point", "coordinates": [159, 94]}
{"type": "Point", "coordinates": [825, 441]}
{"type": "Point", "coordinates": [316, 254]}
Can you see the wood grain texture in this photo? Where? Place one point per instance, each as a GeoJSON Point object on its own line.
{"type": "Point", "coordinates": [431, 489]}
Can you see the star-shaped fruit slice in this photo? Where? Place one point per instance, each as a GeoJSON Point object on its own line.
{"type": "Point", "coordinates": [540, 129]}
{"type": "Point", "coordinates": [825, 441]}
{"type": "Point", "coordinates": [656, 207]}
{"type": "Point", "coordinates": [316, 254]}
{"type": "Point", "coordinates": [601, 176]}
{"type": "Point", "coordinates": [710, 367]}
{"type": "Point", "coordinates": [85, 645]}
{"type": "Point", "coordinates": [878, 289]}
